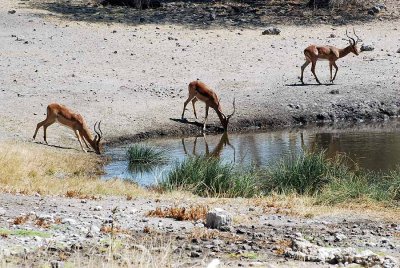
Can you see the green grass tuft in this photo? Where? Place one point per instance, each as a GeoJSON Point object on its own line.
{"type": "Point", "coordinates": [142, 154]}
{"type": "Point", "coordinates": [207, 176]}
{"type": "Point", "coordinates": [24, 233]}
{"type": "Point", "coordinates": [306, 173]}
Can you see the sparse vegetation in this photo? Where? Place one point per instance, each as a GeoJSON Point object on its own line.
{"type": "Point", "coordinates": [210, 177]}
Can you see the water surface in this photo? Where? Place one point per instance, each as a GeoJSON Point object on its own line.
{"type": "Point", "coordinates": [372, 147]}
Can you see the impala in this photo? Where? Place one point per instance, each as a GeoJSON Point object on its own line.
{"type": "Point", "coordinates": [63, 115]}
{"type": "Point", "coordinates": [330, 53]}
{"type": "Point", "coordinates": [200, 91]}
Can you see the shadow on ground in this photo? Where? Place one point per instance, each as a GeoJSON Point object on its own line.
{"type": "Point", "coordinates": [208, 13]}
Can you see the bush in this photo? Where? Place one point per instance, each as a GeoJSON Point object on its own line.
{"type": "Point", "coordinates": [306, 173]}
{"type": "Point", "coordinates": [207, 176]}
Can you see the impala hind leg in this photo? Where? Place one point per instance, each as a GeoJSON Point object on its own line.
{"type": "Point", "coordinates": [39, 125]}
{"type": "Point", "coordinates": [313, 71]}
{"type": "Point", "coordinates": [184, 106]}
{"type": "Point", "coordinates": [45, 124]}
{"type": "Point", "coordinates": [302, 70]}
{"type": "Point", "coordinates": [194, 107]}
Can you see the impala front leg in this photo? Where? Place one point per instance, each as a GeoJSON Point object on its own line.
{"type": "Point", "coordinates": [79, 139]}
{"type": "Point", "coordinates": [205, 119]}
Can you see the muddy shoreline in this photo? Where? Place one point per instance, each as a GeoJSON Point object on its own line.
{"type": "Point", "coordinates": [259, 125]}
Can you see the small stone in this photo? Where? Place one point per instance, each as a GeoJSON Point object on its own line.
{"type": "Point", "coordinates": [271, 31]}
{"type": "Point", "coordinates": [367, 47]}
{"type": "Point", "coordinates": [334, 91]}
{"type": "Point", "coordinates": [194, 254]}
{"type": "Point", "coordinates": [340, 237]}
{"type": "Point", "coordinates": [98, 208]}
{"type": "Point", "coordinates": [12, 11]}
{"type": "Point", "coordinates": [398, 51]}
{"type": "Point", "coordinates": [2, 211]}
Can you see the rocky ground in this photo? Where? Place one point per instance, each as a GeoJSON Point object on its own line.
{"type": "Point", "coordinates": [131, 70]}
{"type": "Point", "coordinates": [54, 230]}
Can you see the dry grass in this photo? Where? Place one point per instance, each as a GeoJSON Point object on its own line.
{"type": "Point", "coordinates": [193, 213]}
{"type": "Point", "coordinates": [305, 206]}
{"type": "Point", "coordinates": [31, 168]}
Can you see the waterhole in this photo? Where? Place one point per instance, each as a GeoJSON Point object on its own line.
{"type": "Point", "coordinates": [374, 147]}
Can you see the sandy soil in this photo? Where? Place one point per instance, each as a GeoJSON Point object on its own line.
{"type": "Point", "coordinates": [134, 77]}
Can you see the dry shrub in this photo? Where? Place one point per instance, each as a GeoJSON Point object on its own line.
{"type": "Point", "coordinates": [282, 245]}
{"type": "Point", "coordinates": [204, 234]}
{"type": "Point", "coordinates": [194, 213]}
{"type": "Point", "coordinates": [21, 220]}
{"type": "Point", "coordinates": [108, 229]}
{"type": "Point", "coordinates": [79, 195]}
{"type": "Point", "coordinates": [42, 223]}
{"type": "Point", "coordinates": [147, 230]}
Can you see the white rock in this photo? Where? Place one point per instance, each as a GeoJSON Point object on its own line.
{"type": "Point", "coordinates": [2, 211]}
{"type": "Point", "coordinates": [218, 218]}
{"type": "Point", "coordinates": [98, 208]}
{"type": "Point", "coordinates": [214, 263]}
{"type": "Point", "coordinates": [68, 221]}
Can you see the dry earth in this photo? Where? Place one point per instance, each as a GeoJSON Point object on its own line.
{"type": "Point", "coordinates": [134, 78]}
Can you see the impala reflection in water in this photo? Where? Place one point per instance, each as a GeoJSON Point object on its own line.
{"type": "Point", "coordinates": [372, 148]}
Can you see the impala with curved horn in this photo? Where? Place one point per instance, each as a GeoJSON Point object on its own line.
{"type": "Point", "coordinates": [63, 115]}
{"type": "Point", "coordinates": [200, 91]}
{"type": "Point", "coordinates": [330, 53]}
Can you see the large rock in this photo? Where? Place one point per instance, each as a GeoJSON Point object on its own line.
{"type": "Point", "coordinates": [218, 218]}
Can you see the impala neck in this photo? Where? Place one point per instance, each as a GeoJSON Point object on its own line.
{"type": "Point", "coordinates": [344, 51]}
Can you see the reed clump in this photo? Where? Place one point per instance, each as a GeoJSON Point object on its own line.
{"type": "Point", "coordinates": [144, 154]}
{"type": "Point", "coordinates": [209, 176]}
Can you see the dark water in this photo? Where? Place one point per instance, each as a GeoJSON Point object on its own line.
{"type": "Point", "coordinates": [373, 147]}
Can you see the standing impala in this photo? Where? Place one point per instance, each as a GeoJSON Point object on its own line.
{"type": "Point", "coordinates": [61, 114]}
{"type": "Point", "coordinates": [200, 91]}
{"type": "Point", "coordinates": [330, 53]}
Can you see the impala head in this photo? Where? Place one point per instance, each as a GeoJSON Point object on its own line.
{"type": "Point", "coordinates": [353, 43]}
{"type": "Point", "coordinates": [226, 119]}
{"type": "Point", "coordinates": [97, 138]}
